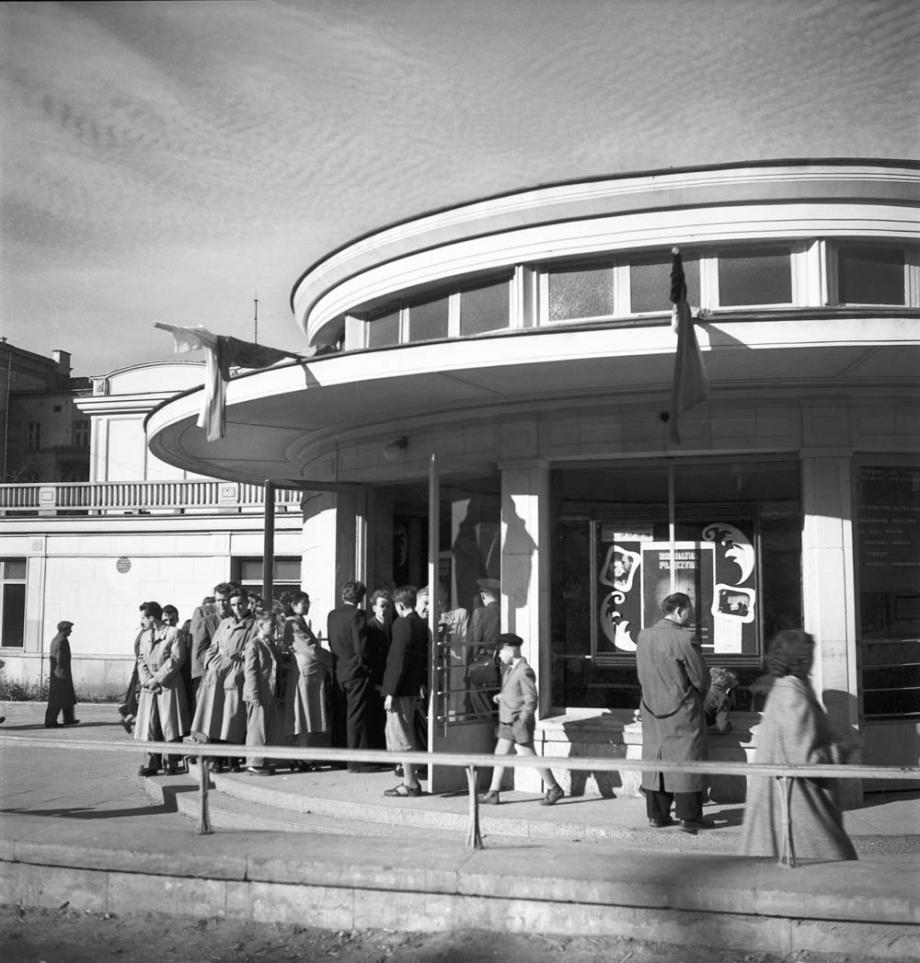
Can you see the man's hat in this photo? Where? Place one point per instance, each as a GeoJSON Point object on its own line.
{"type": "Point", "coordinates": [489, 583]}
{"type": "Point", "coordinates": [509, 638]}
{"type": "Point", "coordinates": [64, 625]}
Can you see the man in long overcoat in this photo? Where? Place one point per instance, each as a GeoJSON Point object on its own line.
{"type": "Point", "coordinates": [61, 695]}
{"type": "Point", "coordinates": [674, 680]}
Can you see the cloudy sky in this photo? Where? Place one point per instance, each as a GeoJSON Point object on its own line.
{"type": "Point", "coordinates": [166, 161]}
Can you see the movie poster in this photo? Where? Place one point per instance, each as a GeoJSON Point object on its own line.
{"type": "Point", "coordinates": [717, 571]}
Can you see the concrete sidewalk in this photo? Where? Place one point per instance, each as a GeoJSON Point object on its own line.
{"type": "Point", "coordinates": [81, 827]}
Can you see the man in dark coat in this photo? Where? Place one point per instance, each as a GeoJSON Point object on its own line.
{"type": "Point", "coordinates": [379, 624]}
{"type": "Point", "coordinates": [347, 628]}
{"type": "Point", "coordinates": [61, 695]}
{"type": "Point", "coordinates": [403, 682]}
{"type": "Point", "coordinates": [674, 680]}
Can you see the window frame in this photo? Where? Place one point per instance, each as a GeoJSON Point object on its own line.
{"type": "Point", "coordinates": [4, 581]}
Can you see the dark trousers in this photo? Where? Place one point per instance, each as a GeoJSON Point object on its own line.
{"type": "Point", "coordinates": [53, 710]}
{"type": "Point", "coordinates": [687, 805]}
{"type": "Point", "coordinates": [354, 697]}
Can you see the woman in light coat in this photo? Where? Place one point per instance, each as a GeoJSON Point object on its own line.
{"type": "Point", "coordinates": [307, 718]}
{"type": "Point", "coordinates": [162, 709]}
{"type": "Point", "coordinates": [260, 692]}
{"type": "Point", "coordinates": [795, 731]}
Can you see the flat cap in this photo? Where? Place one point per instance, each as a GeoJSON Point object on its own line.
{"type": "Point", "coordinates": [64, 625]}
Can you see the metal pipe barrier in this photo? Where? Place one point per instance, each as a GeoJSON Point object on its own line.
{"type": "Point", "coordinates": [473, 761]}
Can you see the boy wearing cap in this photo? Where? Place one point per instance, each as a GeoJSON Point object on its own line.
{"type": "Point", "coordinates": [61, 695]}
{"type": "Point", "coordinates": [517, 705]}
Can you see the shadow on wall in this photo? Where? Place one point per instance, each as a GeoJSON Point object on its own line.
{"type": "Point", "coordinates": [517, 561]}
{"type": "Point", "coordinates": [588, 738]}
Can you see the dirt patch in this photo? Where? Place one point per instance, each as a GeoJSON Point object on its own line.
{"type": "Point", "coordinates": [67, 936]}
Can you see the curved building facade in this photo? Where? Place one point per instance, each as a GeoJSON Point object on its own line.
{"type": "Point", "coordinates": [496, 405]}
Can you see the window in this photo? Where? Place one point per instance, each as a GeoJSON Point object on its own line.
{"type": "Point", "coordinates": [650, 283]}
{"type": "Point", "coordinates": [761, 276]}
{"type": "Point", "coordinates": [737, 553]}
{"type": "Point", "coordinates": [870, 274]}
{"type": "Point", "coordinates": [12, 602]}
{"type": "Point", "coordinates": [485, 308]}
{"type": "Point", "coordinates": [888, 530]}
{"type": "Point", "coordinates": [33, 436]}
{"type": "Point", "coordinates": [383, 330]}
{"type": "Point", "coordinates": [428, 321]}
{"type": "Point", "coordinates": [81, 433]}
{"type": "Point", "coordinates": [573, 293]}
{"type": "Point", "coordinates": [285, 575]}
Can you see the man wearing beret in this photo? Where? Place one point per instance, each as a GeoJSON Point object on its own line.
{"type": "Point", "coordinates": [517, 707]}
{"type": "Point", "coordinates": [61, 695]}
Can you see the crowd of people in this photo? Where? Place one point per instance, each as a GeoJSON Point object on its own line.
{"type": "Point", "coordinates": [248, 675]}
{"type": "Point", "coordinates": [245, 674]}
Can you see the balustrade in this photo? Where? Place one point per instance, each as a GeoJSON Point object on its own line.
{"type": "Point", "coordinates": [124, 497]}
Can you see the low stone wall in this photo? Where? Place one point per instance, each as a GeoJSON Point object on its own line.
{"type": "Point", "coordinates": [616, 735]}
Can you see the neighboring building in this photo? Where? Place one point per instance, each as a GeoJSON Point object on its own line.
{"type": "Point", "coordinates": [524, 342]}
{"type": "Point", "coordinates": [137, 530]}
{"type": "Point", "coordinates": [43, 435]}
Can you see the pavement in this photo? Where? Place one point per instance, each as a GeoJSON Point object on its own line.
{"type": "Point", "coordinates": [80, 827]}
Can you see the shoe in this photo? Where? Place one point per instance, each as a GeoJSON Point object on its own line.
{"type": "Point", "coordinates": [147, 771]}
{"type": "Point", "coordinates": [2, 720]}
{"type": "Point", "coordinates": [398, 771]}
{"type": "Point", "coordinates": [553, 795]}
{"type": "Point", "coordinates": [693, 826]}
{"type": "Point", "coordinates": [73, 722]}
{"type": "Point", "coordinates": [258, 770]}
{"type": "Point", "coordinates": [403, 791]}
{"type": "Point", "coordinates": [236, 766]}
{"type": "Point", "coordinates": [52, 725]}
{"type": "Point", "coordinates": [660, 823]}
{"type": "Point", "coordinates": [490, 798]}
{"type": "Point", "coordinates": [123, 710]}
{"type": "Point", "coordinates": [128, 727]}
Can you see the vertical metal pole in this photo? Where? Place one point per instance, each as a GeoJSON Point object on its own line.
{"type": "Point", "coordinates": [204, 823]}
{"type": "Point", "coordinates": [434, 547]}
{"type": "Point", "coordinates": [787, 857]}
{"type": "Point", "coordinates": [474, 836]}
{"type": "Point", "coordinates": [268, 546]}
{"type": "Point", "coordinates": [672, 528]}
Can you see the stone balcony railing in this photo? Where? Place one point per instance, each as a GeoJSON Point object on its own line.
{"type": "Point", "coordinates": [140, 497]}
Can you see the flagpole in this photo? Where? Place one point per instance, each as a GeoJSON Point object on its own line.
{"type": "Point", "coordinates": [672, 529]}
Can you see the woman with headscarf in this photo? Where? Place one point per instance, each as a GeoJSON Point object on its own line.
{"type": "Point", "coordinates": [794, 732]}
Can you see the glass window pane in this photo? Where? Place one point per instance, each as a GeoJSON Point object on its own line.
{"type": "Point", "coordinates": [287, 570]}
{"type": "Point", "coordinates": [14, 615]}
{"type": "Point", "coordinates": [755, 277]}
{"type": "Point", "coordinates": [15, 568]}
{"type": "Point", "coordinates": [580, 294]}
{"type": "Point", "coordinates": [868, 274]}
{"type": "Point", "coordinates": [650, 283]}
{"type": "Point", "coordinates": [428, 321]}
{"type": "Point", "coordinates": [251, 570]}
{"type": "Point", "coordinates": [484, 309]}
{"type": "Point", "coordinates": [383, 330]}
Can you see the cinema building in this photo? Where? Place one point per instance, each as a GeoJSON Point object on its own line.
{"type": "Point", "coordinates": [497, 406]}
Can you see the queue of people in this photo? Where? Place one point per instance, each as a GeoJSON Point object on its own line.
{"type": "Point", "coordinates": [253, 677]}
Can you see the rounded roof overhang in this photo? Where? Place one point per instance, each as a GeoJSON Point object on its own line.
{"type": "Point", "coordinates": [787, 199]}
{"type": "Point", "coordinates": [298, 425]}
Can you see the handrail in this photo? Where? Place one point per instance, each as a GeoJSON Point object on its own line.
{"type": "Point", "coordinates": [470, 761]}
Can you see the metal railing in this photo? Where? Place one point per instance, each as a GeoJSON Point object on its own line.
{"type": "Point", "coordinates": [118, 497]}
{"type": "Point", "coordinates": [471, 762]}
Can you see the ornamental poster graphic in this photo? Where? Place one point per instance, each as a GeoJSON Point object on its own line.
{"type": "Point", "coordinates": [718, 570]}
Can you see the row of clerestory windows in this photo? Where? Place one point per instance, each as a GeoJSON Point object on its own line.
{"type": "Point", "coordinates": [810, 273]}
